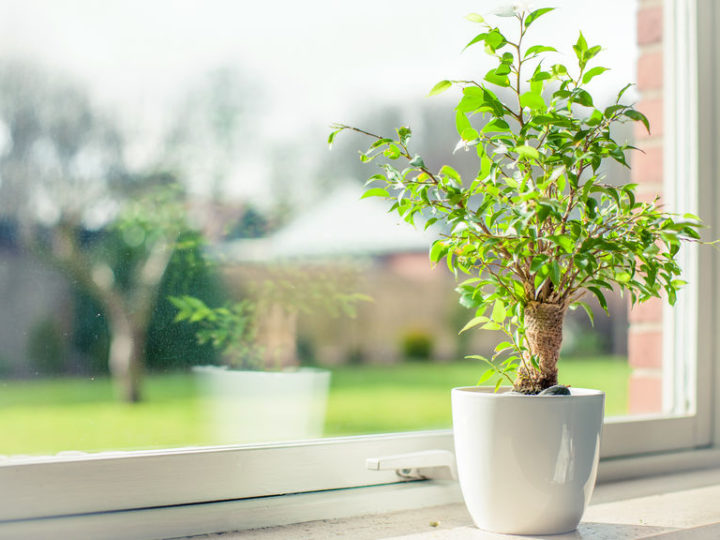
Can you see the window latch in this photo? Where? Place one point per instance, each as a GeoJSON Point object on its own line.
{"type": "Point", "coordinates": [428, 464]}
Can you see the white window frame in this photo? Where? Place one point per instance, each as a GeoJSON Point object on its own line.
{"type": "Point", "coordinates": [195, 490]}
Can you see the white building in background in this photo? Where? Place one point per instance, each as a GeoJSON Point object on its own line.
{"type": "Point", "coordinates": [341, 225]}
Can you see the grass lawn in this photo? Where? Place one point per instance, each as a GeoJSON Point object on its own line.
{"type": "Point", "coordinates": [51, 415]}
{"type": "Point", "coordinates": [414, 396]}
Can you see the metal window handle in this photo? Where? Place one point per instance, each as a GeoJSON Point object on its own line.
{"type": "Point", "coordinates": [428, 464]}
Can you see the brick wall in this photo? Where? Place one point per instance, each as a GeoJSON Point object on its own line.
{"type": "Point", "coordinates": [645, 333]}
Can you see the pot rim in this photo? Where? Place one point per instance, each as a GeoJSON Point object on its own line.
{"type": "Point", "coordinates": [488, 392]}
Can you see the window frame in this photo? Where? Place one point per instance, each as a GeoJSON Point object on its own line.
{"type": "Point", "coordinates": [247, 486]}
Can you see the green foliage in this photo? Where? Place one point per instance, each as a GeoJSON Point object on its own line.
{"type": "Point", "coordinates": [124, 248]}
{"type": "Point", "coordinates": [231, 329]}
{"type": "Point", "coordinates": [173, 346]}
{"type": "Point", "coordinates": [537, 223]}
{"type": "Point", "coordinates": [417, 344]}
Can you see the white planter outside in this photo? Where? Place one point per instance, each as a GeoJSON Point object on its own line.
{"type": "Point", "coordinates": [526, 464]}
{"type": "Point", "coordinates": [255, 406]}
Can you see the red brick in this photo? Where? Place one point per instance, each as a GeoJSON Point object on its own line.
{"type": "Point", "coordinates": [645, 348]}
{"type": "Point", "coordinates": [650, 71]}
{"type": "Point", "coordinates": [650, 25]}
{"type": "Point", "coordinates": [647, 312]}
{"type": "Point", "coordinates": [415, 266]}
{"type": "Point", "coordinates": [647, 166]}
{"type": "Point", "coordinates": [645, 394]}
{"type": "Point", "coordinates": [653, 109]}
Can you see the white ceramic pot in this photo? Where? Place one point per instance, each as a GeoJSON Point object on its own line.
{"type": "Point", "coordinates": [526, 464]}
{"type": "Point", "coordinates": [264, 406]}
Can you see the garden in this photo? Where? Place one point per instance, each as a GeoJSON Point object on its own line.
{"type": "Point", "coordinates": [47, 416]}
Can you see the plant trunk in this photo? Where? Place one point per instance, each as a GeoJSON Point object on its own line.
{"type": "Point", "coordinates": [543, 337]}
{"type": "Point", "coordinates": [127, 344]}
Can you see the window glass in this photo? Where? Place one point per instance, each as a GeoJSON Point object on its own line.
{"type": "Point", "coordinates": [169, 207]}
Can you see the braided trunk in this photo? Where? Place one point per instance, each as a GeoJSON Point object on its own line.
{"type": "Point", "coordinates": [543, 335]}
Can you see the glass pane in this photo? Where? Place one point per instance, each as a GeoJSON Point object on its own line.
{"type": "Point", "coordinates": [170, 208]}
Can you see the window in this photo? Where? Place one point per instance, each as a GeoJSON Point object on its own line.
{"type": "Point", "coordinates": [92, 483]}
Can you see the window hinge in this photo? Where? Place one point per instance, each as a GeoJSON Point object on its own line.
{"type": "Point", "coordinates": [429, 464]}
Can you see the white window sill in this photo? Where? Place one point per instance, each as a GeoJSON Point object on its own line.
{"type": "Point", "coordinates": [620, 505]}
{"type": "Point", "coordinates": [674, 506]}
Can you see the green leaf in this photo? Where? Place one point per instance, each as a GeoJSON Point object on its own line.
{"type": "Point", "coordinates": [587, 309]}
{"type": "Point", "coordinates": [498, 312]}
{"type": "Point", "coordinates": [473, 323]}
{"type": "Point", "coordinates": [580, 46]}
{"type": "Point", "coordinates": [462, 122]}
{"type": "Point", "coordinates": [470, 134]}
{"type": "Point", "coordinates": [565, 242]}
{"type": "Point", "coordinates": [558, 70]}
{"type": "Point", "coordinates": [447, 170]}
{"type": "Point", "coordinates": [417, 161]}
{"type": "Point", "coordinates": [489, 372]}
{"type": "Point", "coordinates": [532, 101]}
{"type": "Point", "coordinates": [638, 117]}
{"type": "Point", "coordinates": [476, 39]}
{"type": "Point", "coordinates": [497, 124]}
{"type": "Point", "coordinates": [536, 14]}
{"type": "Point", "coordinates": [392, 152]}
{"type": "Point", "coordinates": [624, 89]}
{"type": "Point", "coordinates": [527, 152]}
{"type": "Point", "coordinates": [439, 88]}
{"type": "Point", "coordinates": [475, 17]}
{"type": "Point", "coordinates": [591, 205]}
{"type": "Point", "coordinates": [601, 298]}
{"type": "Point", "coordinates": [490, 326]}
{"type": "Point", "coordinates": [375, 192]}
{"type": "Point", "coordinates": [493, 77]}
{"type": "Point", "coordinates": [438, 251]}
{"type": "Point", "coordinates": [331, 137]}
{"type": "Point", "coordinates": [582, 97]}
{"type": "Point", "coordinates": [555, 272]}
{"type": "Point", "coordinates": [494, 40]}
{"type": "Point", "coordinates": [503, 69]}
{"type": "Point", "coordinates": [592, 51]}
{"type": "Point", "coordinates": [537, 49]}
{"type": "Point", "coordinates": [404, 134]}
{"type": "Point", "coordinates": [518, 289]}
{"type": "Point", "coordinates": [623, 277]}
{"type": "Point", "coordinates": [375, 178]}
{"type": "Point", "coordinates": [543, 212]}
{"type": "Point", "coordinates": [537, 262]}
{"type": "Point", "coordinates": [594, 72]}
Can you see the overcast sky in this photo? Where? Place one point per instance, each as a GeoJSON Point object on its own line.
{"type": "Point", "coordinates": [315, 60]}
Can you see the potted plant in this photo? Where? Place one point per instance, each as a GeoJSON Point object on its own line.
{"type": "Point", "coordinates": [534, 231]}
{"type": "Point", "coordinates": [261, 393]}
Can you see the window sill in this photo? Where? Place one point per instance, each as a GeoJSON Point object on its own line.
{"type": "Point", "coordinates": [409, 508]}
{"type": "Point", "coordinates": [673, 506]}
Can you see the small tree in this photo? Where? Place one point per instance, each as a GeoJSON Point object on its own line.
{"type": "Point", "coordinates": [537, 228]}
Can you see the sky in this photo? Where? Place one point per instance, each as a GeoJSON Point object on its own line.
{"type": "Point", "coordinates": [311, 63]}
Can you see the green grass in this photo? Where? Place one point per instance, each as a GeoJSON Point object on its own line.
{"type": "Point", "coordinates": [414, 396]}
{"type": "Point", "coordinates": [51, 415]}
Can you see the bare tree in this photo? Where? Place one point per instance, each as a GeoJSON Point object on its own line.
{"type": "Point", "coordinates": [62, 172]}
